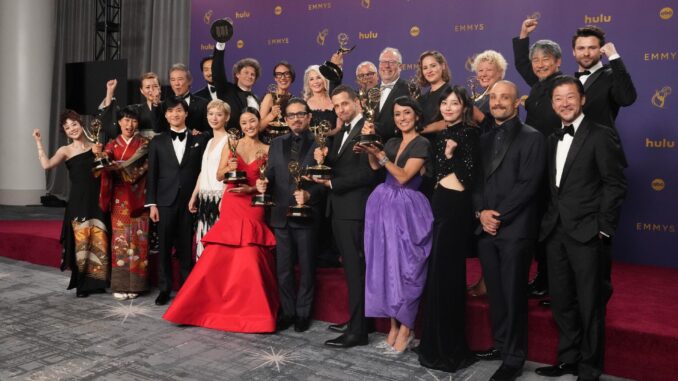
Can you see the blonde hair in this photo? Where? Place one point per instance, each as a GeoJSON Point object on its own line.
{"type": "Point", "coordinates": [221, 105]}
{"type": "Point", "coordinates": [308, 93]}
{"type": "Point", "coordinates": [493, 57]}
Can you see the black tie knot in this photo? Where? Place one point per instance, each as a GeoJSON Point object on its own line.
{"type": "Point", "coordinates": [180, 135]}
{"type": "Point", "coordinates": [569, 130]}
{"type": "Point", "coordinates": [580, 73]}
{"type": "Point", "coordinates": [212, 89]}
{"type": "Point", "coordinates": [346, 127]}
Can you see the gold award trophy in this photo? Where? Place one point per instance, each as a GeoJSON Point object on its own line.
{"type": "Point", "coordinates": [234, 177]}
{"type": "Point", "coordinates": [101, 161]}
{"type": "Point", "coordinates": [298, 210]}
{"type": "Point", "coordinates": [473, 85]}
{"type": "Point", "coordinates": [277, 127]}
{"type": "Point", "coordinates": [342, 38]}
{"type": "Point", "coordinates": [369, 100]}
{"type": "Point", "coordinates": [413, 88]}
{"type": "Point", "coordinates": [262, 199]}
{"type": "Point", "coordinates": [320, 171]}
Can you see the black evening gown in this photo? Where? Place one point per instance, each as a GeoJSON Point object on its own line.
{"type": "Point", "coordinates": [84, 235]}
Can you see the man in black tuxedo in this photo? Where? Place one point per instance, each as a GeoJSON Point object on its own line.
{"type": "Point", "coordinates": [587, 188]}
{"type": "Point", "coordinates": [238, 95]}
{"type": "Point", "coordinates": [209, 92]}
{"type": "Point", "coordinates": [607, 87]}
{"type": "Point", "coordinates": [350, 187]}
{"type": "Point", "coordinates": [392, 87]}
{"type": "Point", "coordinates": [513, 163]}
{"type": "Point", "coordinates": [295, 237]}
{"type": "Point", "coordinates": [180, 81]}
{"type": "Point", "coordinates": [174, 161]}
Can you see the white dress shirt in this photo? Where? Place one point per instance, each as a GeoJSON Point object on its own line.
{"type": "Point", "coordinates": [385, 92]}
{"type": "Point", "coordinates": [180, 145]}
{"type": "Point", "coordinates": [563, 148]}
{"type": "Point", "coordinates": [347, 133]}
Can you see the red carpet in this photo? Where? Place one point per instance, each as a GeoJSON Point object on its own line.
{"type": "Point", "coordinates": [642, 321]}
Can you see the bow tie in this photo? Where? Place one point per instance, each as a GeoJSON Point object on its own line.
{"type": "Point", "coordinates": [384, 87]}
{"type": "Point", "coordinates": [580, 73]}
{"type": "Point", "coordinates": [180, 135]}
{"type": "Point", "coordinates": [346, 128]}
{"type": "Point", "coordinates": [246, 93]}
{"type": "Point", "coordinates": [565, 130]}
{"type": "Point", "coordinates": [212, 89]}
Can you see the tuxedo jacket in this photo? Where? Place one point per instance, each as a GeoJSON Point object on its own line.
{"type": "Point", "coordinates": [510, 180]}
{"type": "Point", "coordinates": [227, 91]}
{"type": "Point", "coordinates": [608, 89]}
{"type": "Point", "coordinates": [540, 113]}
{"type": "Point", "coordinates": [384, 123]}
{"type": "Point", "coordinates": [353, 179]}
{"type": "Point", "coordinates": [282, 187]}
{"type": "Point", "coordinates": [167, 177]}
{"type": "Point", "coordinates": [204, 93]}
{"type": "Point", "coordinates": [196, 118]}
{"type": "Point", "coordinates": [592, 185]}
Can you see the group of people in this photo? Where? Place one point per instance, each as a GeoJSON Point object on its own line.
{"type": "Point", "coordinates": [458, 175]}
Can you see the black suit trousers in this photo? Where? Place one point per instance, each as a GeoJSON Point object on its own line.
{"type": "Point", "coordinates": [293, 243]}
{"type": "Point", "coordinates": [506, 264]}
{"type": "Point", "coordinates": [175, 229]}
{"type": "Point", "coordinates": [349, 238]}
{"type": "Point", "coordinates": [580, 289]}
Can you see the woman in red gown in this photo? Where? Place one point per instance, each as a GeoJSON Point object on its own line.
{"type": "Point", "coordinates": [233, 286]}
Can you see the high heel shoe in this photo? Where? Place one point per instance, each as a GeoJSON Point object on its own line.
{"type": "Point", "coordinates": [391, 351]}
{"type": "Point", "coordinates": [383, 345]}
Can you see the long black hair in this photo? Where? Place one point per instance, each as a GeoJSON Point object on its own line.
{"type": "Point", "coordinates": [467, 104]}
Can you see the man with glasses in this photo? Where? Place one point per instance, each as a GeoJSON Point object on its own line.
{"type": "Point", "coordinates": [366, 75]}
{"type": "Point", "coordinates": [295, 237]}
{"type": "Point", "coordinates": [392, 87]}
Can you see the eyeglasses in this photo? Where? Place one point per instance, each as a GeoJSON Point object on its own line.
{"type": "Point", "coordinates": [366, 75]}
{"type": "Point", "coordinates": [285, 74]}
{"type": "Point", "coordinates": [296, 115]}
{"type": "Point", "coordinates": [389, 63]}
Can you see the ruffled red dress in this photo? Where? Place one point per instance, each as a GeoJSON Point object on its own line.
{"type": "Point", "coordinates": [233, 285]}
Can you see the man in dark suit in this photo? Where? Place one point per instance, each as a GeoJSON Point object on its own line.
{"type": "Point", "coordinates": [587, 188]}
{"type": "Point", "coordinates": [180, 82]}
{"type": "Point", "coordinates": [350, 187]}
{"type": "Point", "coordinates": [174, 161]}
{"type": "Point", "coordinates": [513, 163]}
{"type": "Point", "coordinates": [238, 95]}
{"type": "Point", "coordinates": [392, 87]}
{"type": "Point", "coordinates": [607, 87]}
{"type": "Point", "coordinates": [209, 92]}
{"type": "Point", "coordinates": [295, 237]}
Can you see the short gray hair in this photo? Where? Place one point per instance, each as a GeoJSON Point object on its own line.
{"type": "Point", "coordinates": [181, 67]}
{"type": "Point", "coordinates": [394, 51]}
{"type": "Point", "coordinates": [372, 66]}
{"type": "Point", "coordinates": [548, 47]}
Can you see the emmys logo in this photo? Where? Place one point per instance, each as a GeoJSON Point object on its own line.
{"type": "Point", "coordinates": [658, 184]}
{"type": "Point", "coordinates": [597, 19]}
{"type": "Point", "coordinates": [319, 6]}
{"type": "Point", "coordinates": [366, 3]}
{"type": "Point", "coordinates": [414, 31]}
{"type": "Point", "coordinates": [208, 17]}
{"type": "Point", "coordinates": [468, 65]}
{"type": "Point", "coordinates": [242, 15]}
{"type": "Point", "coordinates": [367, 36]}
{"type": "Point", "coordinates": [655, 228]}
{"type": "Point", "coordinates": [661, 56]}
{"type": "Point", "coordinates": [410, 66]}
{"type": "Point", "coordinates": [469, 27]}
{"type": "Point", "coordinates": [278, 41]}
{"type": "Point", "coordinates": [660, 95]}
{"type": "Point", "coordinates": [663, 143]}
{"type": "Point", "coordinates": [666, 13]}
{"type": "Point", "coordinates": [322, 35]}
{"type": "Point", "coordinates": [240, 44]}
{"type": "Point", "coordinates": [277, 10]}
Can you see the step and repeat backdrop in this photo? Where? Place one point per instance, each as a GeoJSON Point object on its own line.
{"type": "Point", "coordinates": [307, 32]}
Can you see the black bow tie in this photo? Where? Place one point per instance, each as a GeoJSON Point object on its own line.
{"type": "Point", "coordinates": [212, 89]}
{"type": "Point", "coordinates": [565, 130]}
{"type": "Point", "coordinates": [384, 87]}
{"type": "Point", "coordinates": [580, 73]}
{"type": "Point", "coordinates": [346, 128]}
{"type": "Point", "coordinates": [180, 135]}
{"type": "Point", "coordinates": [247, 93]}
{"type": "Point", "coordinates": [185, 96]}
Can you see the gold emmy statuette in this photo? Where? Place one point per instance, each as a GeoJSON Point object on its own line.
{"type": "Point", "coordinates": [534, 16]}
{"type": "Point", "coordinates": [234, 177]}
{"type": "Point", "coordinates": [101, 161]}
{"type": "Point", "coordinates": [299, 211]}
{"type": "Point", "coordinates": [320, 171]}
{"type": "Point", "coordinates": [473, 86]}
{"type": "Point", "coordinates": [369, 100]}
{"type": "Point", "coordinates": [342, 38]}
{"type": "Point", "coordinates": [222, 30]}
{"type": "Point", "coordinates": [277, 127]}
{"type": "Point", "coordinates": [262, 199]}
{"type": "Point", "coordinates": [413, 88]}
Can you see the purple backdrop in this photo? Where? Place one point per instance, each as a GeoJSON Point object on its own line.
{"type": "Point", "coordinates": [305, 33]}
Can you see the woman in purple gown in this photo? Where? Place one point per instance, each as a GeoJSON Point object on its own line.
{"type": "Point", "coordinates": [398, 223]}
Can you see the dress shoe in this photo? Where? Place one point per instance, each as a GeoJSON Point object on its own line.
{"type": "Point", "coordinates": [120, 296]}
{"type": "Point", "coordinates": [162, 299]}
{"type": "Point", "coordinates": [347, 340]}
{"type": "Point", "coordinates": [506, 373]}
{"type": "Point", "coordinates": [557, 370]}
{"type": "Point", "coordinates": [81, 294]}
{"type": "Point", "coordinates": [488, 355]}
{"type": "Point", "coordinates": [132, 295]}
{"type": "Point", "coordinates": [546, 303]}
{"type": "Point", "coordinates": [339, 328]}
{"type": "Point", "coordinates": [534, 292]}
{"type": "Point", "coordinates": [302, 324]}
{"type": "Point", "coordinates": [283, 323]}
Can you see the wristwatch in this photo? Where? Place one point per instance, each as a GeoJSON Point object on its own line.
{"type": "Point", "coordinates": [477, 214]}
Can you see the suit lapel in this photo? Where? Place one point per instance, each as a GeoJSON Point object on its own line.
{"type": "Point", "coordinates": [166, 139]}
{"type": "Point", "coordinates": [577, 143]}
{"type": "Point", "coordinates": [552, 146]}
{"type": "Point", "coordinates": [355, 131]}
{"type": "Point", "coordinates": [190, 139]}
{"type": "Point", "coordinates": [392, 95]}
{"type": "Point", "coordinates": [592, 78]}
{"type": "Point", "coordinates": [510, 137]}
{"type": "Point", "coordinates": [286, 147]}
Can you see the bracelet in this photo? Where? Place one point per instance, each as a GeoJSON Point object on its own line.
{"type": "Point", "coordinates": [383, 161]}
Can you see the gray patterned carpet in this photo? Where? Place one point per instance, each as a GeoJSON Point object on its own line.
{"type": "Point", "coordinates": [48, 334]}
